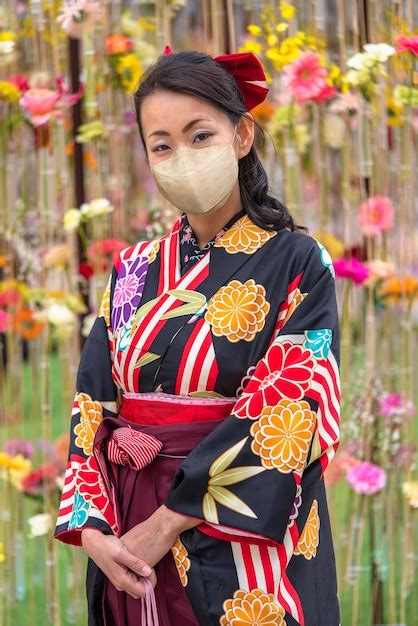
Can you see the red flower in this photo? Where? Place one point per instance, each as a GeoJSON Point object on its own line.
{"type": "Point", "coordinates": [285, 372]}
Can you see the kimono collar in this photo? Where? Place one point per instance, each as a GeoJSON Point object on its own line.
{"type": "Point", "coordinates": [189, 249]}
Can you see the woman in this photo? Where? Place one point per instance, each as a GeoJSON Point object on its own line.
{"type": "Point", "coordinates": [207, 404]}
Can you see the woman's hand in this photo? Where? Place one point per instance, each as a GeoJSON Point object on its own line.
{"type": "Point", "coordinates": [154, 537]}
{"type": "Point", "coordinates": [119, 565]}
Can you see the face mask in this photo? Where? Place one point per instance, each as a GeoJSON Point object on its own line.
{"type": "Point", "coordinates": [198, 180]}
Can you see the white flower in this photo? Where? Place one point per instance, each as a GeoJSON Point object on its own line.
{"type": "Point", "coordinates": [88, 322]}
{"type": "Point", "coordinates": [40, 524]}
{"type": "Point", "coordinates": [379, 51]}
{"type": "Point", "coordinates": [59, 315]}
{"type": "Point", "coordinates": [95, 208]}
{"type": "Point", "coordinates": [72, 220]}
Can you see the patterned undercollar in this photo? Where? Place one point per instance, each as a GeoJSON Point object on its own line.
{"type": "Point", "coordinates": [189, 250]}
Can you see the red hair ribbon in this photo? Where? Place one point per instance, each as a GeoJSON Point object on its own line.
{"type": "Point", "coordinates": [244, 67]}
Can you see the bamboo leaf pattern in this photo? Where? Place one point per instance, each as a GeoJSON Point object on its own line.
{"type": "Point", "coordinates": [209, 509]}
{"type": "Point", "coordinates": [225, 459]}
{"type": "Point", "coordinates": [231, 501]}
{"type": "Point", "coordinates": [148, 357]}
{"type": "Point", "coordinates": [235, 475]}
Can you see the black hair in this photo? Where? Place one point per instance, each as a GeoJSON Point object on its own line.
{"type": "Point", "coordinates": [197, 74]}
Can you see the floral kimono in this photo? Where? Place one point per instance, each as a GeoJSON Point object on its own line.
{"type": "Point", "coordinates": [252, 317]}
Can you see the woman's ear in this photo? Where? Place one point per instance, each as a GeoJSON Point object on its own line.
{"type": "Point", "coordinates": [245, 134]}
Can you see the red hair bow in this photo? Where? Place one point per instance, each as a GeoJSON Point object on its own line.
{"type": "Point", "coordinates": [244, 67]}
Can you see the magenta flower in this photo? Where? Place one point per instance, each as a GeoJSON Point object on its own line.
{"type": "Point", "coordinates": [351, 268]}
{"type": "Point", "coordinates": [392, 404]}
{"type": "Point", "coordinates": [19, 446]}
{"type": "Point", "coordinates": [407, 44]}
{"type": "Point", "coordinates": [305, 77]}
{"type": "Point", "coordinates": [366, 478]}
{"type": "Point", "coordinates": [376, 215]}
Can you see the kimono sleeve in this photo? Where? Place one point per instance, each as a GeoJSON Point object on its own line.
{"type": "Point", "coordinates": [84, 502]}
{"type": "Point", "coordinates": [248, 474]}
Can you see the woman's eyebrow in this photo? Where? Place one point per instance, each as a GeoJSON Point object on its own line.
{"type": "Point", "coordinates": [188, 126]}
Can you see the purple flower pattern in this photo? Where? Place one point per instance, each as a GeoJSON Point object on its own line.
{"type": "Point", "coordinates": [128, 290]}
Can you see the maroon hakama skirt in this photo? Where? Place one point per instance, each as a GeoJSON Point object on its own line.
{"type": "Point", "coordinates": [179, 423]}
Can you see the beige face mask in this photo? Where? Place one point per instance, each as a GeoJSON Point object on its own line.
{"type": "Point", "coordinates": [198, 180]}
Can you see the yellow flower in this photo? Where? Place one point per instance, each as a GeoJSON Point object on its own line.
{"type": "Point", "coordinates": [72, 219]}
{"type": "Point", "coordinates": [91, 414]}
{"type": "Point", "coordinates": [104, 309]}
{"type": "Point", "coordinates": [181, 560]}
{"type": "Point", "coordinates": [238, 310]}
{"type": "Point", "coordinates": [244, 236]}
{"type": "Point", "coordinates": [410, 490]}
{"type": "Point", "coordinates": [282, 27]}
{"type": "Point", "coordinates": [334, 245]}
{"type": "Point", "coordinates": [2, 555]}
{"type": "Point", "coordinates": [287, 10]}
{"type": "Point", "coordinates": [130, 71]}
{"type": "Point", "coordinates": [251, 46]}
{"type": "Point", "coordinates": [9, 92]}
{"type": "Point", "coordinates": [309, 538]}
{"type": "Point", "coordinates": [272, 40]}
{"type": "Point", "coordinates": [282, 435]}
{"type": "Point", "coordinates": [250, 608]}
{"type": "Point", "coordinates": [254, 30]}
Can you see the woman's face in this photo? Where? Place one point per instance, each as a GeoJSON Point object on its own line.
{"type": "Point", "coordinates": [172, 120]}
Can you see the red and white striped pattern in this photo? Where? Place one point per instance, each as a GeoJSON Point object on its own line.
{"type": "Point", "coordinates": [131, 447]}
{"type": "Point", "coordinates": [264, 567]}
{"type": "Point", "coordinates": [151, 324]}
{"type": "Point", "coordinates": [284, 307]}
{"type": "Point", "coordinates": [198, 367]}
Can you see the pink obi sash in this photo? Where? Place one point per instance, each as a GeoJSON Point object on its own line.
{"type": "Point", "coordinates": [153, 433]}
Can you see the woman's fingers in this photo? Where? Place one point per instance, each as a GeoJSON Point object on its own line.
{"type": "Point", "coordinates": [126, 580]}
{"type": "Point", "coordinates": [133, 562]}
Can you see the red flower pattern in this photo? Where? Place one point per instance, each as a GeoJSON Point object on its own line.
{"type": "Point", "coordinates": [285, 372]}
{"type": "Point", "coordinates": [91, 486]}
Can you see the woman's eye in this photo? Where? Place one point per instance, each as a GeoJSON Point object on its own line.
{"type": "Point", "coordinates": [202, 136]}
{"type": "Point", "coordinates": [160, 148]}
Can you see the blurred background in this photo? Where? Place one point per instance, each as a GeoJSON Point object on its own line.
{"type": "Point", "coordinates": [338, 137]}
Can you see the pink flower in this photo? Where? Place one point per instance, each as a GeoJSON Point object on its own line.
{"type": "Point", "coordinates": [76, 14]}
{"type": "Point", "coordinates": [366, 478]}
{"type": "Point", "coordinates": [376, 215]}
{"type": "Point", "coordinates": [326, 93]}
{"type": "Point", "coordinates": [392, 404]}
{"type": "Point", "coordinates": [5, 320]}
{"type": "Point", "coordinates": [407, 44]}
{"type": "Point", "coordinates": [19, 81]}
{"type": "Point", "coordinates": [305, 77]}
{"type": "Point", "coordinates": [39, 104]}
{"type": "Point", "coordinates": [351, 268]}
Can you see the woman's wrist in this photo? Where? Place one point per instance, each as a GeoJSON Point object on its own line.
{"type": "Point", "coordinates": [173, 522]}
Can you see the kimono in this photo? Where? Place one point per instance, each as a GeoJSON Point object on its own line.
{"type": "Point", "coordinates": [252, 317]}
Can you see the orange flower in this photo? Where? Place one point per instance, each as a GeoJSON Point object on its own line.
{"type": "Point", "coordinates": [309, 538]}
{"type": "Point", "coordinates": [181, 560]}
{"type": "Point", "coordinates": [118, 44]}
{"type": "Point", "coordinates": [25, 323]}
{"type": "Point", "coordinates": [247, 608]}
{"type": "Point", "coordinates": [283, 434]}
{"type": "Point", "coordinates": [238, 310]}
{"type": "Point", "coordinates": [396, 287]}
{"type": "Point", "coordinates": [263, 112]}
{"type": "Point", "coordinates": [91, 414]}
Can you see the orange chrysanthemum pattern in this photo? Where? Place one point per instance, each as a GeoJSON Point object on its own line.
{"type": "Point", "coordinates": [154, 250]}
{"type": "Point", "coordinates": [181, 560]}
{"type": "Point", "coordinates": [249, 608]}
{"type": "Point", "coordinates": [104, 309]}
{"type": "Point", "coordinates": [244, 236]}
{"type": "Point", "coordinates": [91, 414]}
{"type": "Point", "coordinates": [283, 434]}
{"type": "Point", "coordinates": [238, 310]}
{"type": "Point", "coordinates": [309, 538]}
